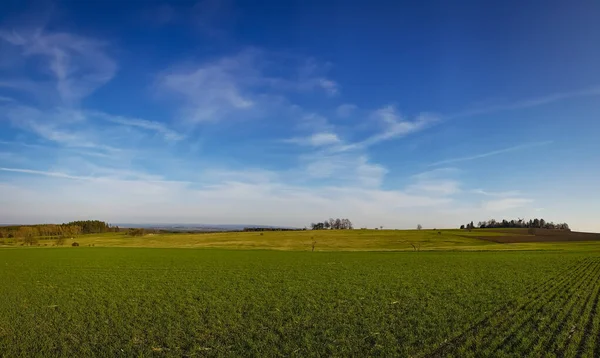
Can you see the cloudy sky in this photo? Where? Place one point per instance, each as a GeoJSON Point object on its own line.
{"type": "Point", "coordinates": [283, 113]}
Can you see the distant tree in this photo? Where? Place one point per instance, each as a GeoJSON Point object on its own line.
{"type": "Point", "coordinates": [520, 223]}
{"type": "Point", "coordinates": [462, 227]}
{"type": "Point", "coordinates": [136, 232]}
{"type": "Point", "coordinates": [419, 227]}
{"type": "Point", "coordinates": [28, 234]}
{"type": "Point", "coordinates": [326, 224]}
{"type": "Point", "coordinates": [338, 224]}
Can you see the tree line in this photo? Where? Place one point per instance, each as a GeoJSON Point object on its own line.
{"type": "Point", "coordinates": [94, 226]}
{"type": "Point", "coordinates": [333, 224]}
{"type": "Point", "coordinates": [519, 223]}
{"type": "Point", "coordinates": [30, 233]}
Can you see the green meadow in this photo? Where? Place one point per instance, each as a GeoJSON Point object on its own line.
{"type": "Point", "coordinates": [360, 293]}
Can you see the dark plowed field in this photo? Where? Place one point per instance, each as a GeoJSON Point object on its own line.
{"type": "Point", "coordinates": [567, 236]}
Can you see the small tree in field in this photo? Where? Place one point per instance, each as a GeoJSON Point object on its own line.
{"type": "Point", "coordinates": [419, 227]}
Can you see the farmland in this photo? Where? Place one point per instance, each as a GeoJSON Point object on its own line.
{"type": "Point", "coordinates": [342, 240]}
{"type": "Point", "coordinates": [211, 302]}
{"type": "Point", "coordinates": [429, 293]}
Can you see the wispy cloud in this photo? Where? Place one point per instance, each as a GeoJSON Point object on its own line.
{"type": "Point", "coordinates": [244, 83]}
{"type": "Point", "coordinates": [440, 186]}
{"type": "Point", "coordinates": [393, 126]}
{"type": "Point", "coordinates": [506, 204]}
{"type": "Point", "coordinates": [233, 200]}
{"type": "Point", "coordinates": [59, 126]}
{"type": "Point", "coordinates": [492, 153]}
{"type": "Point", "coordinates": [528, 103]}
{"type": "Point", "coordinates": [46, 173]}
{"type": "Point", "coordinates": [158, 127]}
{"type": "Point", "coordinates": [316, 140]}
{"type": "Point", "coordinates": [441, 181]}
{"type": "Point", "coordinates": [78, 64]}
{"type": "Point", "coordinates": [345, 110]}
{"type": "Point", "coordinates": [436, 173]}
{"type": "Point", "coordinates": [510, 193]}
{"type": "Point", "coordinates": [105, 174]}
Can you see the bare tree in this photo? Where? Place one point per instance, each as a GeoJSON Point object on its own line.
{"type": "Point", "coordinates": [419, 227]}
{"type": "Point", "coordinates": [416, 246]}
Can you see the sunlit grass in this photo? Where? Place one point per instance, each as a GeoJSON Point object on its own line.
{"type": "Point", "coordinates": [140, 302]}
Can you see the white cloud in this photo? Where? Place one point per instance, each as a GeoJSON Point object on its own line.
{"type": "Point", "coordinates": [510, 193]}
{"type": "Point", "coordinates": [441, 187]}
{"type": "Point", "coordinates": [212, 91]}
{"type": "Point", "coordinates": [492, 153]}
{"type": "Point", "coordinates": [345, 110]}
{"type": "Point", "coordinates": [393, 126]}
{"type": "Point", "coordinates": [246, 83]}
{"type": "Point", "coordinates": [40, 198]}
{"type": "Point", "coordinates": [320, 139]}
{"type": "Point", "coordinates": [329, 86]}
{"type": "Point", "coordinates": [505, 204]}
{"type": "Point", "coordinates": [77, 64]}
{"type": "Point", "coordinates": [158, 127]}
{"type": "Point", "coordinates": [86, 129]}
{"type": "Point", "coordinates": [369, 174]}
{"type": "Point", "coordinates": [528, 103]}
{"type": "Point", "coordinates": [437, 173]}
{"type": "Point", "coordinates": [344, 169]}
{"type": "Point", "coordinates": [317, 139]}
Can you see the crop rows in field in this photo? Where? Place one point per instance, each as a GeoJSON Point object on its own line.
{"type": "Point", "coordinates": [559, 318]}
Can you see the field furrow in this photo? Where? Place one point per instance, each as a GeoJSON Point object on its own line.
{"type": "Point", "coordinates": [174, 303]}
{"type": "Point", "coordinates": [558, 318]}
{"type": "Point", "coordinates": [504, 317]}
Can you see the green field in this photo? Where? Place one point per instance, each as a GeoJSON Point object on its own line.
{"type": "Point", "coordinates": [326, 240]}
{"type": "Point", "coordinates": [126, 302]}
{"type": "Point", "coordinates": [428, 293]}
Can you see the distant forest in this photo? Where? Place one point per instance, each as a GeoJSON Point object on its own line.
{"type": "Point", "coordinates": [333, 224]}
{"type": "Point", "coordinates": [70, 229]}
{"type": "Point", "coordinates": [519, 223]}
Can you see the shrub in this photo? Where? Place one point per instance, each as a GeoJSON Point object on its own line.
{"type": "Point", "coordinates": [75, 244]}
{"type": "Point", "coordinates": [136, 232]}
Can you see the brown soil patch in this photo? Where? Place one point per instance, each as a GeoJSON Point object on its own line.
{"type": "Point", "coordinates": [566, 236]}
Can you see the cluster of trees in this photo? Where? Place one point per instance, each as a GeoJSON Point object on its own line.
{"type": "Point", "coordinates": [519, 223]}
{"type": "Point", "coordinates": [93, 226]}
{"type": "Point", "coordinates": [30, 234]}
{"type": "Point", "coordinates": [333, 224]}
{"type": "Point", "coordinates": [44, 231]}
{"type": "Point", "coordinates": [136, 232]}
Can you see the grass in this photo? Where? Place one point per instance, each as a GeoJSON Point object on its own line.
{"type": "Point", "coordinates": [172, 302]}
{"type": "Point", "coordinates": [336, 240]}
{"type": "Point", "coordinates": [362, 293]}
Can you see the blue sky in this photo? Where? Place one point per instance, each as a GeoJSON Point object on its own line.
{"type": "Point", "coordinates": [389, 113]}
